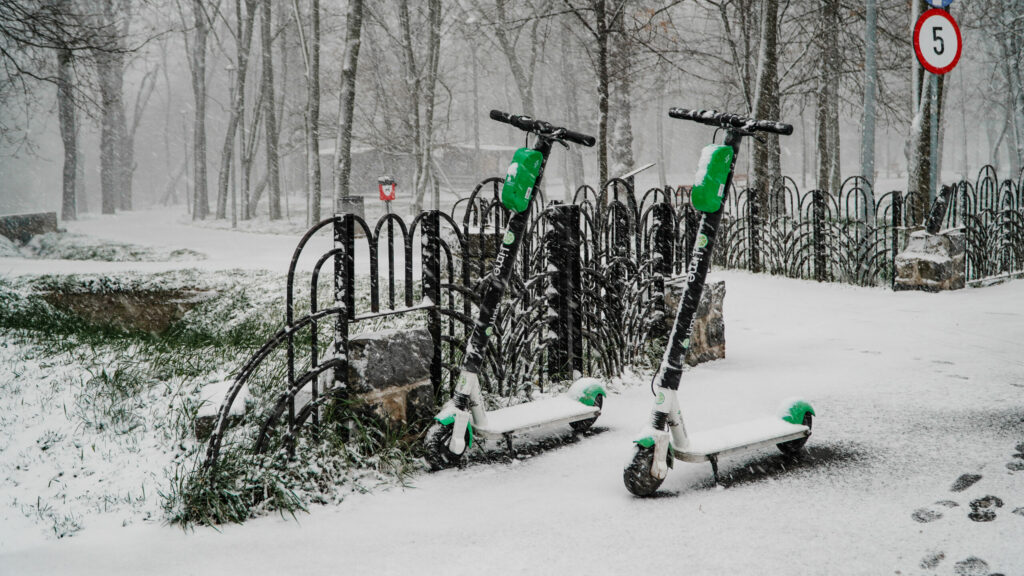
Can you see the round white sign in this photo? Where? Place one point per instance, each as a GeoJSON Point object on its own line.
{"type": "Point", "coordinates": [937, 41]}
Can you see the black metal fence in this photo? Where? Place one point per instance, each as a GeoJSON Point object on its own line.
{"type": "Point", "coordinates": [587, 291]}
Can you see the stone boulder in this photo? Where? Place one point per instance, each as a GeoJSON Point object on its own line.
{"type": "Point", "coordinates": [390, 370]}
{"type": "Point", "coordinates": [932, 262]}
{"type": "Point", "coordinates": [707, 342]}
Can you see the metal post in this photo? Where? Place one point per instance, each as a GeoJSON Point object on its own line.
{"type": "Point", "coordinates": [934, 144]}
{"type": "Point", "coordinates": [754, 210]}
{"type": "Point", "coordinates": [431, 256]}
{"type": "Point", "coordinates": [818, 208]}
{"type": "Point", "coordinates": [897, 223]}
{"type": "Point", "coordinates": [562, 247]}
{"type": "Point", "coordinates": [344, 291]}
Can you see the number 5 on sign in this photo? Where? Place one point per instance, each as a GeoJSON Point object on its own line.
{"type": "Point", "coordinates": [937, 41]}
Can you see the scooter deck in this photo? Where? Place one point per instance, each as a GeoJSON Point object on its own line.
{"type": "Point", "coordinates": [547, 412]}
{"type": "Point", "coordinates": [708, 444]}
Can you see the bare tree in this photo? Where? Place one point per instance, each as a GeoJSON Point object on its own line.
{"type": "Point", "coordinates": [269, 114]}
{"type": "Point", "coordinates": [767, 164]}
{"type": "Point", "coordinates": [346, 103]}
{"type": "Point", "coordinates": [244, 22]}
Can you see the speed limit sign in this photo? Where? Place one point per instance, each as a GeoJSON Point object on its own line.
{"type": "Point", "coordinates": [937, 41]}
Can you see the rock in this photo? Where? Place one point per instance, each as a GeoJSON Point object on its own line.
{"type": "Point", "coordinates": [211, 397]}
{"type": "Point", "coordinates": [707, 342]}
{"type": "Point", "coordinates": [389, 358]}
{"type": "Point", "coordinates": [931, 262]}
{"type": "Point", "coordinates": [390, 370]}
{"type": "Point", "coordinates": [22, 227]}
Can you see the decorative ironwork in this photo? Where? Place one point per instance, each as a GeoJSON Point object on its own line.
{"type": "Point", "coordinates": [587, 291]}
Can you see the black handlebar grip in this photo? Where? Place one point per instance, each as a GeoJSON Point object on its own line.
{"type": "Point", "coordinates": [775, 127]}
{"type": "Point", "coordinates": [578, 138]}
{"type": "Point", "coordinates": [501, 116]}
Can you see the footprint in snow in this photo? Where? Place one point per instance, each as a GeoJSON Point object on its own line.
{"type": "Point", "coordinates": [983, 509]}
{"type": "Point", "coordinates": [971, 566]}
{"type": "Point", "coordinates": [932, 560]}
{"type": "Point", "coordinates": [965, 481]}
{"type": "Point", "coordinates": [933, 512]}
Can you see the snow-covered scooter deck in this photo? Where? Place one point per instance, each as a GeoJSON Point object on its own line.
{"type": "Point", "coordinates": [710, 444]}
{"type": "Point", "coordinates": [560, 410]}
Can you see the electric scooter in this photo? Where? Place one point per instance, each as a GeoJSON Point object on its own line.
{"type": "Point", "coordinates": [665, 439]}
{"type": "Point", "coordinates": [465, 418]}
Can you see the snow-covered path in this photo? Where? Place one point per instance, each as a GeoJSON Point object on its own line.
{"type": "Point", "coordinates": [912, 391]}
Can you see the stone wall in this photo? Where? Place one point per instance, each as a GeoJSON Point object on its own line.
{"type": "Point", "coordinates": [707, 342]}
{"type": "Point", "coordinates": [931, 262]}
{"type": "Point", "coordinates": [22, 227]}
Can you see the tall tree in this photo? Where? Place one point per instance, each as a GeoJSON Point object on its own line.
{"type": "Point", "coordinates": [269, 114]}
{"type": "Point", "coordinates": [346, 103]}
{"type": "Point", "coordinates": [243, 37]}
{"type": "Point", "coordinates": [68, 132]}
{"type": "Point", "coordinates": [621, 105]}
{"type": "Point", "coordinates": [197, 49]}
{"type": "Point", "coordinates": [311, 60]}
{"type": "Point", "coordinates": [827, 114]}
{"type": "Point", "coordinates": [111, 20]}
{"type": "Point", "coordinates": [767, 155]}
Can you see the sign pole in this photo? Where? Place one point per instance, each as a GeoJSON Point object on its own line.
{"type": "Point", "coordinates": [934, 144]}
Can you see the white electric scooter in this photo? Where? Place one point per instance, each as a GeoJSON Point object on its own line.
{"type": "Point", "coordinates": [465, 418]}
{"type": "Point", "coordinates": [666, 439]}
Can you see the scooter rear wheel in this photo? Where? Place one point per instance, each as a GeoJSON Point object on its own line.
{"type": "Point", "coordinates": [637, 475]}
{"type": "Point", "coordinates": [438, 455]}
{"type": "Point", "coordinates": [794, 446]}
{"type": "Point", "coordinates": [583, 425]}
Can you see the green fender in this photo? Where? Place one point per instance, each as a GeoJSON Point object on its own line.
{"type": "Point", "coordinates": [586, 391]}
{"type": "Point", "coordinates": [449, 420]}
{"type": "Point", "coordinates": [793, 411]}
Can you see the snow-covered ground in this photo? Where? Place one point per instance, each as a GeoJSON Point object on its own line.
{"type": "Point", "coordinates": [912, 391]}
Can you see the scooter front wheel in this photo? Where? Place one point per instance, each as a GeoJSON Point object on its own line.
{"type": "Point", "coordinates": [438, 455]}
{"type": "Point", "coordinates": [637, 475]}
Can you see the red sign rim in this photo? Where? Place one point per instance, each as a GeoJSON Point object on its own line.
{"type": "Point", "coordinates": [917, 40]}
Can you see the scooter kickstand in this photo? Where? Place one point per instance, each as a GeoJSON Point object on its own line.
{"type": "Point", "coordinates": [713, 458]}
{"type": "Point", "coordinates": [508, 445]}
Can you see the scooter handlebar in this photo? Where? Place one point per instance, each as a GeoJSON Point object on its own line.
{"type": "Point", "coordinates": [725, 120]}
{"type": "Point", "coordinates": [542, 128]}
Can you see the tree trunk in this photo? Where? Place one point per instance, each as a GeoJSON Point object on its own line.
{"type": "Point", "coordinates": [68, 131]}
{"type": "Point", "coordinates": [827, 115]}
{"type": "Point", "coordinates": [425, 174]}
{"type": "Point", "coordinates": [346, 104]}
{"type": "Point", "coordinates": [603, 78]}
{"type": "Point", "coordinates": [244, 36]}
{"type": "Point", "coordinates": [413, 84]}
{"type": "Point", "coordinates": [767, 168]}
{"type": "Point", "coordinates": [522, 77]}
{"type": "Point", "coordinates": [622, 126]}
{"type": "Point", "coordinates": [313, 106]}
{"type": "Point", "coordinates": [200, 200]}
{"type": "Point", "coordinates": [572, 109]}
{"type": "Point", "coordinates": [269, 118]}
{"type": "Point", "coordinates": [867, 140]}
